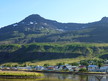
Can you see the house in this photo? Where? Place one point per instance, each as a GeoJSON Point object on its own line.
{"type": "Point", "coordinates": [106, 62]}
{"type": "Point", "coordinates": [104, 68]}
{"type": "Point", "coordinates": [69, 67]}
{"type": "Point", "coordinates": [82, 67]}
{"type": "Point", "coordinates": [75, 68]}
{"type": "Point", "coordinates": [14, 68]}
{"type": "Point", "coordinates": [25, 68]}
{"type": "Point", "coordinates": [50, 68]}
{"type": "Point", "coordinates": [39, 68]}
{"type": "Point", "coordinates": [56, 68]}
{"type": "Point", "coordinates": [5, 68]}
{"type": "Point", "coordinates": [1, 67]}
{"type": "Point", "coordinates": [92, 67]}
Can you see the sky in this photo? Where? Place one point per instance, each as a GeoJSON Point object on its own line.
{"type": "Point", "coordinates": [66, 11]}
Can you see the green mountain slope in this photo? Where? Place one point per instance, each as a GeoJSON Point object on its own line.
{"type": "Point", "coordinates": [45, 51]}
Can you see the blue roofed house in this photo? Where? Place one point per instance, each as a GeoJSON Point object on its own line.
{"type": "Point", "coordinates": [92, 68]}
{"type": "Point", "coordinates": [39, 68]}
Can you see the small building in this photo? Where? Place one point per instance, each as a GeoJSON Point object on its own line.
{"type": "Point", "coordinates": [5, 68]}
{"type": "Point", "coordinates": [75, 68]}
{"type": "Point", "coordinates": [39, 68]}
{"type": "Point", "coordinates": [13, 68]}
{"type": "Point", "coordinates": [69, 68]}
{"type": "Point", "coordinates": [50, 68]}
{"type": "Point", "coordinates": [82, 67]}
{"type": "Point", "coordinates": [104, 68]}
{"type": "Point", "coordinates": [1, 67]}
{"type": "Point", "coordinates": [92, 67]}
{"type": "Point", "coordinates": [25, 68]}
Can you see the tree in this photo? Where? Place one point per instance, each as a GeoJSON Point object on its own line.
{"type": "Point", "coordinates": [74, 64]}
{"type": "Point", "coordinates": [83, 70]}
{"type": "Point", "coordinates": [59, 64]}
{"type": "Point", "coordinates": [99, 64]}
{"type": "Point", "coordinates": [84, 63]}
{"type": "Point", "coordinates": [46, 65]}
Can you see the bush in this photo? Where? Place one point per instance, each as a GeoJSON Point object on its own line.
{"type": "Point", "coordinates": [83, 70]}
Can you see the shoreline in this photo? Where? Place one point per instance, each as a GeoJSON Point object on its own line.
{"type": "Point", "coordinates": [39, 74]}
{"type": "Point", "coordinates": [20, 75]}
{"type": "Point", "coordinates": [77, 73]}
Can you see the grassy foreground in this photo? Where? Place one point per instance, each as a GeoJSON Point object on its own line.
{"type": "Point", "coordinates": [19, 73]}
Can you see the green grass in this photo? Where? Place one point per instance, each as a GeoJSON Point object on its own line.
{"type": "Point", "coordinates": [54, 62]}
{"type": "Point", "coordinates": [95, 72]}
{"type": "Point", "coordinates": [66, 61]}
{"type": "Point", "coordinates": [19, 73]}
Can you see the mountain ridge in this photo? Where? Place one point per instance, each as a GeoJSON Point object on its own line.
{"type": "Point", "coordinates": [35, 28]}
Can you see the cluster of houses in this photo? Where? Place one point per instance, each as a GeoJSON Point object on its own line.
{"type": "Point", "coordinates": [91, 68]}
{"type": "Point", "coordinates": [67, 67]}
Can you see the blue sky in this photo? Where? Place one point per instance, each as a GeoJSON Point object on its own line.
{"type": "Point", "coordinates": [78, 11]}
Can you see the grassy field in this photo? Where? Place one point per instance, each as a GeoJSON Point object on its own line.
{"type": "Point", "coordinates": [66, 61]}
{"type": "Point", "coordinates": [54, 62]}
{"type": "Point", "coordinates": [19, 73]}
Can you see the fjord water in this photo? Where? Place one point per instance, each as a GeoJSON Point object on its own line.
{"type": "Point", "coordinates": [64, 77]}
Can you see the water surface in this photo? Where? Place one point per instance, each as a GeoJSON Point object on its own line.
{"type": "Point", "coordinates": [64, 77]}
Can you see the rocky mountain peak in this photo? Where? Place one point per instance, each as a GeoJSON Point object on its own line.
{"type": "Point", "coordinates": [104, 19]}
{"type": "Point", "coordinates": [33, 18]}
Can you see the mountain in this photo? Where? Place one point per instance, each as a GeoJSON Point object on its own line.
{"type": "Point", "coordinates": [35, 28]}
{"type": "Point", "coordinates": [97, 32]}
{"type": "Point", "coordinates": [39, 39]}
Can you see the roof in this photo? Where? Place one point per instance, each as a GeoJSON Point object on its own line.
{"type": "Point", "coordinates": [82, 66]}
{"type": "Point", "coordinates": [92, 66]}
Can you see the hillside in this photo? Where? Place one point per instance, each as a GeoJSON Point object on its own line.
{"type": "Point", "coordinates": [48, 51]}
{"type": "Point", "coordinates": [35, 28]}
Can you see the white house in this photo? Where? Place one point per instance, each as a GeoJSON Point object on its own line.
{"type": "Point", "coordinates": [25, 68]}
{"type": "Point", "coordinates": [39, 68]}
{"type": "Point", "coordinates": [69, 67]}
{"type": "Point", "coordinates": [104, 68]}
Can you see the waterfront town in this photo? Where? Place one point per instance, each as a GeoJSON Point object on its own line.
{"type": "Point", "coordinates": [82, 66]}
